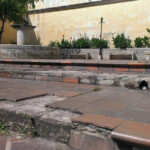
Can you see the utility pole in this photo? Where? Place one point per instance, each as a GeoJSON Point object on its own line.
{"type": "Point", "coordinates": [101, 32]}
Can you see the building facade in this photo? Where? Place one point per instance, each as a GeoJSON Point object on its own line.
{"type": "Point", "coordinates": [74, 18]}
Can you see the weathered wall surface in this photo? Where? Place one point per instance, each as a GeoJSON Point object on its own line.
{"type": "Point", "coordinates": [9, 34]}
{"type": "Point", "coordinates": [28, 52]}
{"type": "Point", "coordinates": [93, 53]}
{"type": "Point", "coordinates": [131, 17]}
{"type": "Point", "coordinates": [141, 54]}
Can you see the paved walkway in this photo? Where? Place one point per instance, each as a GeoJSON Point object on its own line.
{"type": "Point", "coordinates": [123, 111]}
{"type": "Point", "coordinates": [17, 90]}
{"type": "Point", "coordinates": [110, 101]}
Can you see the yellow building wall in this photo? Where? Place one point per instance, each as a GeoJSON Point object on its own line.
{"type": "Point", "coordinates": [9, 34]}
{"type": "Point", "coordinates": [56, 3]}
{"type": "Point", "coordinates": [131, 17]}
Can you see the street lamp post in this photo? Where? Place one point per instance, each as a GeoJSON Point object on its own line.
{"type": "Point", "coordinates": [101, 32]}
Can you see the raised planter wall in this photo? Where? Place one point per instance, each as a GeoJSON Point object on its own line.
{"type": "Point", "coordinates": [65, 53]}
{"type": "Point", "coordinates": [9, 51]}
{"type": "Point", "coordinates": [138, 53]}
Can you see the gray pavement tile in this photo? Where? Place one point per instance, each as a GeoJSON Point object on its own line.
{"type": "Point", "coordinates": [88, 98]}
{"type": "Point", "coordinates": [142, 105]}
{"type": "Point", "coordinates": [124, 98]}
{"type": "Point", "coordinates": [67, 105]}
{"type": "Point", "coordinates": [135, 114]}
{"type": "Point", "coordinates": [11, 94]}
{"type": "Point", "coordinates": [110, 105]}
{"type": "Point", "coordinates": [96, 110]}
{"type": "Point", "coordinates": [42, 101]}
{"type": "Point", "coordinates": [24, 89]}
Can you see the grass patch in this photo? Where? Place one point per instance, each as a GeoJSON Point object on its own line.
{"type": "Point", "coordinates": [4, 128]}
{"type": "Point", "coordinates": [97, 88]}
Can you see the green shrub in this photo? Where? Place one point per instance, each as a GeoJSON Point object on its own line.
{"type": "Point", "coordinates": [138, 42]}
{"type": "Point", "coordinates": [142, 42]}
{"type": "Point", "coordinates": [146, 41]}
{"type": "Point", "coordinates": [81, 43]}
{"type": "Point", "coordinates": [64, 44]}
{"type": "Point", "coordinates": [104, 44]}
{"type": "Point", "coordinates": [53, 43]}
{"type": "Point", "coordinates": [97, 43]}
{"type": "Point", "coordinates": [4, 128]}
{"type": "Point", "coordinates": [148, 30]}
{"type": "Point", "coordinates": [120, 41]}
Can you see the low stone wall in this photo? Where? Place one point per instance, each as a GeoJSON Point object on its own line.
{"type": "Point", "coordinates": [9, 51]}
{"type": "Point", "coordinates": [65, 53]}
{"type": "Point", "coordinates": [138, 53]}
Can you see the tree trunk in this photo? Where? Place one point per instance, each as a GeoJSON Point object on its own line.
{"type": "Point", "coordinates": [2, 30]}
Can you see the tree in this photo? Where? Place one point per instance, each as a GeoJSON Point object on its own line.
{"type": "Point", "coordinates": [148, 30]}
{"type": "Point", "coordinates": [14, 11]}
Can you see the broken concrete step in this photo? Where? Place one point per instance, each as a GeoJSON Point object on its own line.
{"type": "Point", "coordinates": [133, 133]}
{"type": "Point", "coordinates": [83, 140]}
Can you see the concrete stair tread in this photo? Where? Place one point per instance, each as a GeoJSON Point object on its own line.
{"type": "Point", "coordinates": [136, 133]}
{"type": "Point", "coordinates": [133, 132]}
{"type": "Point", "coordinates": [99, 120]}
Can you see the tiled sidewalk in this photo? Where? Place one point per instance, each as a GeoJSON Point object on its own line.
{"type": "Point", "coordinates": [16, 90]}
{"type": "Point", "coordinates": [125, 113]}
{"type": "Point", "coordinates": [110, 101]}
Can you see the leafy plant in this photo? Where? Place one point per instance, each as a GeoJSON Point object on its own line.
{"type": "Point", "coordinates": [64, 44]}
{"type": "Point", "coordinates": [82, 42]}
{"type": "Point", "coordinates": [146, 41]}
{"type": "Point", "coordinates": [120, 41]}
{"type": "Point", "coordinates": [148, 30]}
{"type": "Point", "coordinates": [54, 43]}
{"type": "Point", "coordinates": [97, 88]}
{"type": "Point", "coordinates": [97, 43]}
{"type": "Point", "coordinates": [138, 42]}
{"type": "Point", "coordinates": [142, 42]}
{"type": "Point", "coordinates": [4, 129]}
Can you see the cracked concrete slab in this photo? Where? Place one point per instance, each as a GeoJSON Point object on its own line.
{"type": "Point", "coordinates": [23, 89]}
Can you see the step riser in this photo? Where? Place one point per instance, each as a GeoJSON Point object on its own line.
{"type": "Point", "coordinates": [23, 123]}
{"type": "Point", "coordinates": [82, 68]}
{"type": "Point", "coordinates": [104, 67]}
{"type": "Point", "coordinates": [51, 130]}
{"type": "Point", "coordinates": [130, 81]}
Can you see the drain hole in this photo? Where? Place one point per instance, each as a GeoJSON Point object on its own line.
{"type": "Point", "coordinates": [143, 85]}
